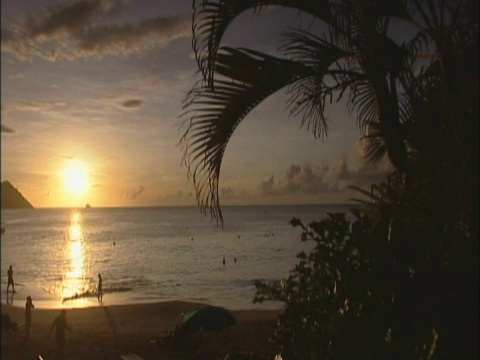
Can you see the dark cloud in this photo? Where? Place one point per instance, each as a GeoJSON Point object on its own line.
{"type": "Point", "coordinates": [38, 106]}
{"type": "Point", "coordinates": [178, 198]}
{"type": "Point", "coordinates": [299, 180]}
{"type": "Point", "coordinates": [368, 173]}
{"type": "Point", "coordinates": [227, 192]}
{"type": "Point", "coordinates": [134, 193]}
{"type": "Point", "coordinates": [132, 104]}
{"type": "Point", "coordinates": [293, 171]}
{"type": "Point", "coordinates": [69, 20]}
{"type": "Point", "coordinates": [266, 187]}
{"type": "Point", "coordinates": [322, 179]}
{"type": "Point", "coordinates": [7, 130]}
{"type": "Point", "coordinates": [85, 29]}
{"type": "Point", "coordinates": [130, 38]}
{"type": "Point", "coordinates": [341, 171]}
{"type": "Point", "coordinates": [306, 179]}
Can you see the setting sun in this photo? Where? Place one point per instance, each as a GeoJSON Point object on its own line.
{"type": "Point", "coordinates": [76, 178]}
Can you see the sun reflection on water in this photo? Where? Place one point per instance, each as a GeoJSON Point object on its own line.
{"type": "Point", "coordinates": [75, 279]}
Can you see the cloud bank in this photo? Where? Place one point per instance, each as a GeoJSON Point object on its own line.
{"type": "Point", "coordinates": [88, 29]}
{"type": "Point", "coordinates": [322, 179]}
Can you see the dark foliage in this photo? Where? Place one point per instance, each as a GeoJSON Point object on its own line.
{"type": "Point", "coordinates": [396, 282]}
{"type": "Point", "coordinates": [398, 278]}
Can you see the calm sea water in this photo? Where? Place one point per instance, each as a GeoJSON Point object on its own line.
{"type": "Point", "coordinates": [149, 254]}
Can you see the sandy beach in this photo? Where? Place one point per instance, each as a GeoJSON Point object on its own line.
{"type": "Point", "coordinates": [110, 332]}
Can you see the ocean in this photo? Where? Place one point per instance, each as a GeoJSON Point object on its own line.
{"type": "Point", "coordinates": [150, 254]}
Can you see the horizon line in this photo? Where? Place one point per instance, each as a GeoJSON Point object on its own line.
{"type": "Point", "coordinates": [174, 206]}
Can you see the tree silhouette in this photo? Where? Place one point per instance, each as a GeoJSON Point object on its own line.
{"type": "Point", "coordinates": [355, 57]}
{"type": "Point", "coordinates": [415, 241]}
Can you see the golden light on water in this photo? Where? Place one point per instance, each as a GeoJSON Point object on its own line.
{"type": "Point", "coordinates": [75, 218]}
{"type": "Point", "coordinates": [76, 261]}
{"type": "Point", "coordinates": [75, 279]}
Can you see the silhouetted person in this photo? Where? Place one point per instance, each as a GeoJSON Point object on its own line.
{"type": "Point", "coordinates": [100, 288]}
{"type": "Point", "coordinates": [235, 260]}
{"type": "Point", "coordinates": [10, 279]}
{"type": "Point", "coordinates": [223, 261]}
{"type": "Point", "coordinates": [60, 323]}
{"type": "Point", "coordinates": [28, 315]}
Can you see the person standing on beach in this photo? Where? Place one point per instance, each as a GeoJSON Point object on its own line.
{"type": "Point", "coordinates": [10, 279]}
{"type": "Point", "coordinates": [28, 315]}
{"type": "Point", "coordinates": [60, 323]}
{"type": "Point", "coordinates": [100, 288]}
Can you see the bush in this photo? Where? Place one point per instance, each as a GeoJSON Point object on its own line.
{"type": "Point", "coordinates": [396, 282]}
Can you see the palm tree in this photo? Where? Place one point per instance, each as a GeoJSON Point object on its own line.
{"type": "Point", "coordinates": [354, 57]}
{"type": "Point", "coordinates": [355, 53]}
{"type": "Point", "coordinates": [418, 108]}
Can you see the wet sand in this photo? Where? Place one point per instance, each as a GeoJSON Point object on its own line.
{"type": "Point", "coordinates": [109, 332]}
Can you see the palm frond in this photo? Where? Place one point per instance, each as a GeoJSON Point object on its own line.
{"type": "Point", "coordinates": [362, 99]}
{"type": "Point", "coordinates": [373, 143]}
{"type": "Point", "coordinates": [316, 51]}
{"type": "Point", "coordinates": [310, 95]}
{"type": "Point", "coordinates": [212, 113]}
{"type": "Point", "coordinates": [211, 18]}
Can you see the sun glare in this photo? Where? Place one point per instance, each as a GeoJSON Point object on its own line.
{"type": "Point", "coordinates": [76, 178]}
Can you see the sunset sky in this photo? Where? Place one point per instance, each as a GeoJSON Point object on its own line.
{"type": "Point", "coordinates": [91, 96]}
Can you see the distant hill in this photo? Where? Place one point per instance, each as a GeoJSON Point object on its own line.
{"type": "Point", "coordinates": [12, 198]}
